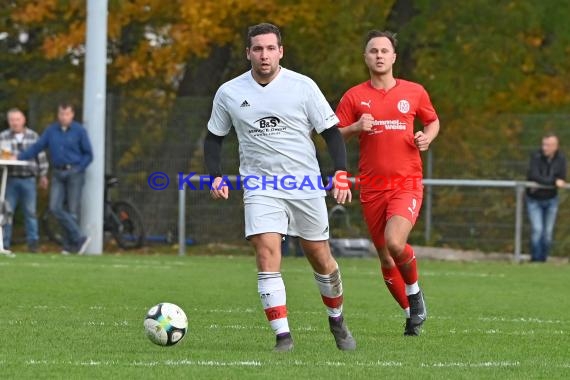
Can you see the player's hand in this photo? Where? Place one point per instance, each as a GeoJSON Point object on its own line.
{"type": "Point", "coordinates": [560, 182]}
{"type": "Point", "coordinates": [365, 122]}
{"type": "Point", "coordinates": [217, 191]}
{"type": "Point", "coordinates": [422, 141]}
{"type": "Point", "coordinates": [341, 187]}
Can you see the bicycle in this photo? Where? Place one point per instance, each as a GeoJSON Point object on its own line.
{"type": "Point", "coordinates": [120, 218]}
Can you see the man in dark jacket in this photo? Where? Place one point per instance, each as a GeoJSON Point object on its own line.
{"type": "Point", "coordinates": [547, 167]}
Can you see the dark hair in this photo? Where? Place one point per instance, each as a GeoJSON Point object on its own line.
{"type": "Point", "coordinates": [15, 110]}
{"type": "Point", "coordinates": [263, 28]}
{"type": "Point", "coordinates": [379, 33]}
{"type": "Point", "coordinates": [549, 134]}
{"type": "Point", "coordinates": [65, 105]}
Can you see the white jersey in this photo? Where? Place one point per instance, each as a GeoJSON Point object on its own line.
{"type": "Point", "coordinates": [273, 124]}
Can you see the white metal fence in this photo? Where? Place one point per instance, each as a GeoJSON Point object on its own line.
{"type": "Point", "coordinates": [516, 187]}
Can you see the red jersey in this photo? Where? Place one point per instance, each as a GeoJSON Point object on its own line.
{"type": "Point", "coordinates": [388, 154]}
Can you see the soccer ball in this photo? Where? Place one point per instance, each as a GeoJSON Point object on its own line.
{"type": "Point", "coordinates": [165, 324]}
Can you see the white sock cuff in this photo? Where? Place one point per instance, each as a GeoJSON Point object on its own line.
{"type": "Point", "coordinates": [412, 288]}
{"type": "Point", "coordinates": [328, 278]}
{"type": "Point", "coordinates": [268, 282]}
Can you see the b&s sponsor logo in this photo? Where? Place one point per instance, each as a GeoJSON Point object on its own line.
{"type": "Point", "coordinates": [267, 122]}
{"type": "Point", "coordinates": [267, 126]}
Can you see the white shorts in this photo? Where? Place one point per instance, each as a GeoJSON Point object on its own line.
{"type": "Point", "coordinates": [305, 218]}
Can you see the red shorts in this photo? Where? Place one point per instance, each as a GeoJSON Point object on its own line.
{"type": "Point", "coordinates": [380, 206]}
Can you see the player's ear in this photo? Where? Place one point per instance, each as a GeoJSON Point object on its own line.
{"type": "Point", "coordinates": [280, 51]}
{"type": "Point", "coordinates": [247, 53]}
{"type": "Point", "coordinates": [394, 60]}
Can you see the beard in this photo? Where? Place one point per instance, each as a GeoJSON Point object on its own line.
{"type": "Point", "coordinates": [265, 72]}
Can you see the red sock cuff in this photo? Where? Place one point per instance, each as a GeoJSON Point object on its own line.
{"type": "Point", "coordinates": [276, 312]}
{"type": "Point", "coordinates": [406, 256]}
{"type": "Point", "coordinates": [407, 265]}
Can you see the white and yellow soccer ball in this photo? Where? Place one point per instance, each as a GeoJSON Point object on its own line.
{"type": "Point", "coordinates": [165, 324]}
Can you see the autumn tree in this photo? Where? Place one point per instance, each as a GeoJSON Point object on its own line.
{"type": "Point", "coordinates": [487, 65]}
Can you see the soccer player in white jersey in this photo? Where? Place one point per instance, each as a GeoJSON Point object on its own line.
{"type": "Point", "coordinates": [274, 111]}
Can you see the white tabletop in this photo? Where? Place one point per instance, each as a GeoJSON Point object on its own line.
{"type": "Point", "coordinates": [13, 162]}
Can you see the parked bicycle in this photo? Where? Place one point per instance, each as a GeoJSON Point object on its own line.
{"type": "Point", "coordinates": [121, 219]}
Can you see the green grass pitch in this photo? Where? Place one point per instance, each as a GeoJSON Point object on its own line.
{"type": "Point", "coordinates": [82, 317]}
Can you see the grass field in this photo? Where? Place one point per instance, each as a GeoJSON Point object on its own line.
{"type": "Point", "coordinates": [81, 317]}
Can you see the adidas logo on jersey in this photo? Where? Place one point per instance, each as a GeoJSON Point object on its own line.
{"type": "Point", "coordinates": [245, 104]}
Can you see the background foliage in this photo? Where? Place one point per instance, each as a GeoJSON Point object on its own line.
{"type": "Point", "coordinates": [496, 70]}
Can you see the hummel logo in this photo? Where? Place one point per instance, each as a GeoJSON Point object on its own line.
{"type": "Point", "coordinates": [367, 104]}
{"type": "Point", "coordinates": [245, 104]}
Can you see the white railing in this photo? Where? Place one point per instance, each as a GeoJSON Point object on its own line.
{"type": "Point", "coordinates": [519, 188]}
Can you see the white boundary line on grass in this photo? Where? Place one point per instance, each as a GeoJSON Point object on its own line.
{"type": "Point", "coordinates": [429, 273]}
{"type": "Point", "coordinates": [471, 365]}
{"type": "Point", "coordinates": [461, 274]}
{"type": "Point", "coordinates": [209, 363]}
{"type": "Point", "coordinates": [354, 314]}
{"type": "Point", "coordinates": [258, 363]}
{"type": "Point", "coordinates": [202, 363]}
{"type": "Point", "coordinates": [521, 320]}
{"type": "Point", "coordinates": [121, 266]}
{"type": "Point", "coordinates": [499, 332]}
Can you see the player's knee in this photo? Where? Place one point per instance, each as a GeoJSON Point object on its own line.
{"type": "Point", "coordinates": [395, 247]}
{"type": "Point", "coordinates": [266, 252]}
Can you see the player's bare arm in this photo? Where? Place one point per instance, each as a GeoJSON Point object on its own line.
{"type": "Point", "coordinates": [364, 124]}
{"type": "Point", "coordinates": [424, 138]}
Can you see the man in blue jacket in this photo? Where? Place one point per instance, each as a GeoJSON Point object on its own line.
{"type": "Point", "coordinates": [70, 154]}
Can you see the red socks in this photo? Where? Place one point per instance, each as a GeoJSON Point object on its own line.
{"type": "Point", "coordinates": [396, 285]}
{"type": "Point", "coordinates": [407, 265]}
{"type": "Point", "coordinates": [404, 273]}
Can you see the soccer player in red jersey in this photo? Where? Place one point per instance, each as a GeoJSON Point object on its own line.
{"type": "Point", "coordinates": [381, 113]}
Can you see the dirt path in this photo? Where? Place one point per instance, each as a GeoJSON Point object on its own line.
{"type": "Point", "coordinates": [448, 254]}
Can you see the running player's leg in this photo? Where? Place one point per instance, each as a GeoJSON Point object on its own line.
{"type": "Point", "coordinates": [266, 222]}
{"type": "Point", "coordinates": [374, 211]}
{"type": "Point", "coordinates": [402, 214]}
{"type": "Point", "coordinates": [309, 221]}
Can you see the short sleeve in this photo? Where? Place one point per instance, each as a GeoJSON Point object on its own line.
{"type": "Point", "coordinates": [344, 111]}
{"type": "Point", "coordinates": [426, 113]}
{"type": "Point", "coordinates": [320, 114]}
{"type": "Point", "coordinates": [220, 121]}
